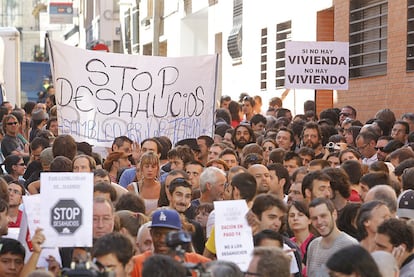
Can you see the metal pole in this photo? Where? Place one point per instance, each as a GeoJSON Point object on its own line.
{"type": "Point", "coordinates": [156, 28]}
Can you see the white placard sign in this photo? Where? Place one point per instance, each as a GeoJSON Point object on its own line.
{"type": "Point", "coordinates": [101, 95]}
{"type": "Point", "coordinates": [30, 222]}
{"type": "Point", "coordinates": [66, 208]}
{"type": "Point", "coordinates": [32, 212]}
{"type": "Point", "coordinates": [317, 65]}
{"type": "Point", "coordinates": [233, 235]}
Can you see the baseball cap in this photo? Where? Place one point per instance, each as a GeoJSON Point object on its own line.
{"type": "Point", "coordinates": [166, 218]}
{"type": "Point", "coordinates": [406, 204]}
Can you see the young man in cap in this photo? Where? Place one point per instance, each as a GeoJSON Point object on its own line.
{"type": "Point", "coordinates": [163, 222]}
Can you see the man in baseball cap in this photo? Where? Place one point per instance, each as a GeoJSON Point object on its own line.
{"type": "Point", "coordinates": [163, 222]}
{"type": "Point", "coordinates": [405, 207]}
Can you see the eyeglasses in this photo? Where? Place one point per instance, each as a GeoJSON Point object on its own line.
{"type": "Point", "coordinates": [379, 148]}
{"type": "Point", "coordinates": [12, 123]}
{"type": "Point", "coordinates": [15, 191]}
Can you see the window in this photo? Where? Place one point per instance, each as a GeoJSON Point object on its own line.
{"type": "Point", "coordinates": [368, 38]}
{"type": "Point", "coordinates": [263, 60]}
{"type": "Point", "coordinates": [283, 34]}
{"type": "Point", "coordinates": [410, 35]}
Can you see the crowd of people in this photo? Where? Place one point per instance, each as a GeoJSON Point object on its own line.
{"type": "Point", "coordinates": [328, 195]}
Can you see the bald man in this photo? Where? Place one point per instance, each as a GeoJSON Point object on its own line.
{"type": "Point", "coordinates": [386, 194]}
{"type": "Point", "coordinates": [262, 176]}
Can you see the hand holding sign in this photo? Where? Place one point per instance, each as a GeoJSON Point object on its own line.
{"type": "Point", "coordinates": [37, 240]}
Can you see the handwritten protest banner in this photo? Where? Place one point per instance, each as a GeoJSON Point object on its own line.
{"type": "Point", "coordinates": [66, 208]}
{"type": "Point", "coordinates": [101, 96]}
{"type": "Point", "coordinates": [233, 235]}
{"type": "Point", "coordinates": [317, 65]}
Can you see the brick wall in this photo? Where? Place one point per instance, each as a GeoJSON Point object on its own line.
{"type": "Point", "coordinates": [395, 90]}
{"type": "Point", "coordinates": [324, 32]}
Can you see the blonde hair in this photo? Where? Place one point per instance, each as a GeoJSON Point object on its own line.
{"type": "Point", "coordinates": [149, 158]}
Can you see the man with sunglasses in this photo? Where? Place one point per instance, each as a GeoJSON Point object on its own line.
{"type": "Point", "coordinates": [11, 144]}
{"type": "Point", "coordinates": [381, 143]}
{"type": "Point", "coordinates": [347, 112]}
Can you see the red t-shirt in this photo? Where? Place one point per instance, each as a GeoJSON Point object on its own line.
{"type": "Point", "coordinates": [18, 220]}
{"type": "Point", "coordinates": [355, 196]}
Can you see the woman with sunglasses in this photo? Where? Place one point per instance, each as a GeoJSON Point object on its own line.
{"type": "Point", "coordinates": [15, 168]}
{"type": "Point", "coordinates": [268, 145]}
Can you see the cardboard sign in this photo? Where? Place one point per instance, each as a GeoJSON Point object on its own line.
{"type": "Point", "coordinates": [233, 235]}
{"type": "Point", "coordinates": [66, 208]}
{"type": "Point", "coordinates": [101, 96]}
{"type": "Point", "coordinates": [317, 65]}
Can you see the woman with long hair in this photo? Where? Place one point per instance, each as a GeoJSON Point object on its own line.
{"type": "Point", "coordinates": [351, 134]}
{"type": "Point", "coordinates": [300, 224]}
{"type": "Point", "coordinates": [268, 145]}
{"type": "Point", "coordinates": [148, 187]}
{"type": "Point", "coordinates": [15, 167]}
{"type": "Point", "coordinates": [236, 113]}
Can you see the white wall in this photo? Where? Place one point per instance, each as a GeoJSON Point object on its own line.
{"type": "Point", "coordinates": [194, 34]}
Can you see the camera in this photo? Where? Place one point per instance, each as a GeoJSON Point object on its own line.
{"type": "Point", "coordinates": [86, 269]}
{"type": "Point", "coordinates": [332, 146]}
{"type": "Point", "coordinates": [180, 242]}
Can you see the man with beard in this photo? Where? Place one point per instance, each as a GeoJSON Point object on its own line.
{"type": "Point", "coordinates": [316, 184]}
{"type": "Point", "coordinates": [312, 138]}
{"type": "Point", "coordinates": [243, 135]}
{"type": "Point", "coordinates": [323, 217]}
{"type": "Point", "coordinates": [204, 143]}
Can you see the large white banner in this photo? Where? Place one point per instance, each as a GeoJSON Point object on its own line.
{"type": "Point", "coordinates": [101, 96]}
{"type": "Point", "coordinates": [317, 65]}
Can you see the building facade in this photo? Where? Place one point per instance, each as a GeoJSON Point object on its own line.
{"type": "Point", "coordinates": [381, 36]}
